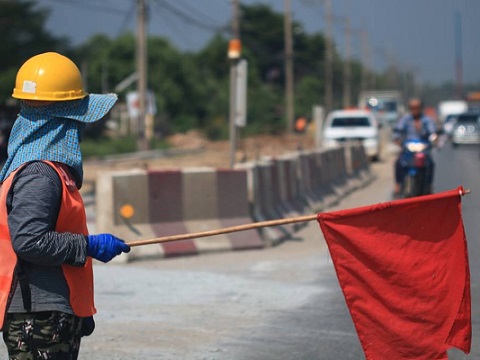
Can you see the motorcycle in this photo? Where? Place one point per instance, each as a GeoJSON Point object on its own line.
{"type": "Point", "coordinates": [416, 160]}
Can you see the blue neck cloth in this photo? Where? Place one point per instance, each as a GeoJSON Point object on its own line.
{"type": "Point", "coordinates": [54, 132]}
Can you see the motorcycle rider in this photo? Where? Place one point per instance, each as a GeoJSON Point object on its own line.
{"type": "Point", "coordinates": [413, 126]}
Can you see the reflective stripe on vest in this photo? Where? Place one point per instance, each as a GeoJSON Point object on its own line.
{"type": "Point", "coordinates": [71, 218]}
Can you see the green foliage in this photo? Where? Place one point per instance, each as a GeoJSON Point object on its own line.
{"type": "Point", "coordinates": [262, 33]}
{"type": "Point", "coordinates": [103, 146]}
{"type": "Point", "coordinates": [22, 35]}
{"type": "Point", "coordinates": [217, 129]}
{"type": "Point", "coordinates": [308, 92]}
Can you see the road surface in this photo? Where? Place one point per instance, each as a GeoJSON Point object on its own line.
{"type": "Point", "coordinates": [462, 167]}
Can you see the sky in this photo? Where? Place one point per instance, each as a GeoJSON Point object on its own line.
{"type": "Point", "coordinates": [417, 34]}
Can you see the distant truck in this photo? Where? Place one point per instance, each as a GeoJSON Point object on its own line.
{"type": "Point", "coordinates": [386, 104]}
{"type": "Point", "coordinates": [451, 107]}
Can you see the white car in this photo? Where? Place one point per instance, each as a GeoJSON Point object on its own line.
{"type": "Point", "coordinates": [353, 125]}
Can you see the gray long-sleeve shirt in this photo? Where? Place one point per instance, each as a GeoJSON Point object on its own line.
{"type": "Point", "coordinates": [33, 205]}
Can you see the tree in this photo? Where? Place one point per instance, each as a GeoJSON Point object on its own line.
{"type": "Point", "coordinates": [22, 35]}
{"type": "Point", "coordinates": [262, 33]}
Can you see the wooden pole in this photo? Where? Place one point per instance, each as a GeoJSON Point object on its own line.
{"type": "Point", "coordinates": [233, 85]}
{"type": "Point", "coordinates": [142, 142]}
{"type": "Point", "coordinates": [328, 56]}
{"type": "Point", "coordinates": [289, 91]}
{"type": "Point", "coordinates": [347, 66]}
{"type": "Point", "coordinates": [232, 229]}
{"type": "Point", "coordinates": [225, 230]}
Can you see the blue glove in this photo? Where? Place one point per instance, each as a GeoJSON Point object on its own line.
{"type": "Point", "coordinates": [105, 247]}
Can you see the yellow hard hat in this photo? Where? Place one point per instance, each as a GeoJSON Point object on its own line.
{"type": "Point", "coordinates": [49, 77]}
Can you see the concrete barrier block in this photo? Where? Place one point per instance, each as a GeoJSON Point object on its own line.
{"type": "Point", "coordinates": [166, 211]}
{"type": "Point", "coordinates": [307, 182]}
{"type": "Point", "coordinates": [289, 202]}
{"type": "Point", "coordinates": [114, 190]}
{"type": "Point", "coordinates": [234, 208]}
{"type": "Point", "coordinates": [263, 205]}
{"type": "Point", "coordinates": [323, 175]}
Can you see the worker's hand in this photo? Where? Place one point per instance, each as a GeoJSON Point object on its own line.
{"type": "Point", "coordinates": [105, 247]}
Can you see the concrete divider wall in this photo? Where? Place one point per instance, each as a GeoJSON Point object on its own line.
{"type": "Point", "coordinates": [265, 202]}
{"type": "Point", "coordinates": [175, 202]}
{"type": "Point", "coordinates": [310, 181]}
{"type": "Point", "coordinates": [170, 202]}
{"type": "Point", "coordinates": [360, 164]}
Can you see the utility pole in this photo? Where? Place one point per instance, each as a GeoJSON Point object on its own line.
{"type": "Point", "coordinates": [328, 56]}
{"type": "Point", "coordinates": [289, 100]}
{"type": "Point", "coordinates": [392, 69]}
{"type": "Point", "coordinates": [143, 140]}
{"type": "Point", "coordinates": [347, 66]}
{"type": "Point", "coordinates": [234, 55]}
{"type": "Point", "coordinates": [104, 76]}
{"type": "Point", "coordinates": [85, 74]}
{"type": "Point", "coordinates": [458, 56]}
{"type": "Point", "coordinates": [364, 84]}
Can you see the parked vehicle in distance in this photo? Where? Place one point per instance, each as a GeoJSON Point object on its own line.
{"type": "Point", "coordinates": [466, 129]}
{"type": "Point", "coordinates": [449, 124]}
{"type": "Point", "coordinates": [387, 103]}
{"type": "Point", "coordinates": [342, 126]}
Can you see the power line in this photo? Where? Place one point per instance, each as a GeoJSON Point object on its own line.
{"type": "Point", "coordinates": [191, 20]}
{"type": "Point", "coordinates": [193, 9]}
{"type": "Point", "coordinates": [127, 18]}
{"type": "Point", "coordinates": [90, 6]}
{"type": "Point", "coordinates": [172, 25]}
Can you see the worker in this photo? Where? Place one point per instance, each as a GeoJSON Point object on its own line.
{"type": "Point", "coordinates": [46, 287]}
{"type": "Point", "coordinates": [300, 125]}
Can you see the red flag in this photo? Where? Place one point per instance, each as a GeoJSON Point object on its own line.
{"type": "Point", "coordinates": [403, 269]}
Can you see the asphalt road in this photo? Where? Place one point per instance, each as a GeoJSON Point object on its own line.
{"type": "Point", "coordinates": [282, 303]}
{"type": "Point", "coordinates": [461, 166]}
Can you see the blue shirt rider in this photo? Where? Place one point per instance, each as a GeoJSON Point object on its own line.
{"type": "Point", "coordinates": [414, 126]}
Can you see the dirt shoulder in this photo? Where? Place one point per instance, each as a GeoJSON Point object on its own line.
{"type": "Point", "coordinates": [200, 152]}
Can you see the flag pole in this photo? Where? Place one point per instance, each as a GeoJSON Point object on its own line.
{"type": "Point", "coordinates": [226, 230]}
{"type": "Point", "coordinates": [231, 229]}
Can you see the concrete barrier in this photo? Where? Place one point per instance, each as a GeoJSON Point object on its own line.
{"type": "Point", "coordinates": [325, 177]}
{"type": "Point", "coordinates": [291, 202]}
{"type": "Point", "coordinates": [309, 181]}
{"type": "Point", "coordinates": [265, 202]}
{"type": "Point", "coordinates": [114, 190]}
{"type": "Point", "coordinates": [175, 202]}
{"type": "Point", "coordinates": [234, 208]}
{"type": "Point", "coordinates": [336, 168]}
{"type": "Point", "coordinates": [171, 202]}
{"type": "Point", "coordinates": [360, 164]}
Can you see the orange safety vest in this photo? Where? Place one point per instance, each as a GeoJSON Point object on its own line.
{"type": "Point", "coordinates": [71, 218]}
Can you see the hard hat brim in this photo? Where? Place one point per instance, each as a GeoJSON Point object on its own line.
{"type": "Point", "coordinates": [91, 108]}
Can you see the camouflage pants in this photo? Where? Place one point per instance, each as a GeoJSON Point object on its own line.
{"type": "Point", "coordinates": [42, 336]}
